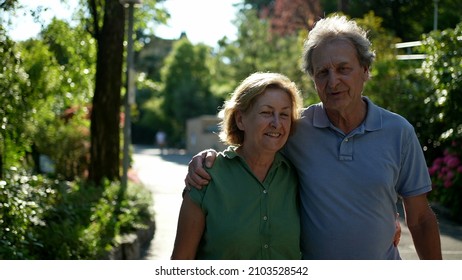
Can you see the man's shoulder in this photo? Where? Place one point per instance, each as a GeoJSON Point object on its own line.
{"type": "Point", "coordinates": [390, 117]}
{"type": "Point", "coordinates": [313, 106]}
{"type": "Point", "coordinates": [311, 109]}
{"type": "Point", "coordinates": [395, 119]}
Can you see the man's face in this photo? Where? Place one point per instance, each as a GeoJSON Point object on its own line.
{"type": "Point", "coordinates": [338, 76]}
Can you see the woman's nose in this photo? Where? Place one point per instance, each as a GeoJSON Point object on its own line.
{"type": "Point", "coordinates": [276, 121]}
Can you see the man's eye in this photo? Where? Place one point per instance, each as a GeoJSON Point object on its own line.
{"type": "Point", "coordinates": [321, 74]}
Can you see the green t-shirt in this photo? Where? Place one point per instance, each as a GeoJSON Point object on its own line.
{"type": "Point", "coordinates": [247, 219]}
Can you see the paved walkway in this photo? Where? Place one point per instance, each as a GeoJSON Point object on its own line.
{"type": "Point", "coordinates": [164, 173]}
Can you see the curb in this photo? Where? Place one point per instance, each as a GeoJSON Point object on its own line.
{"type": "Point", "coordinates": [132, 246]}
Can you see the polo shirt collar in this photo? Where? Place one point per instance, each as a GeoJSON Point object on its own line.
{"type": "Point", "coordinates": [372, 122]}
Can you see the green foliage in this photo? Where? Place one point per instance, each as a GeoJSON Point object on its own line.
{"type": "Point", "coordinates": [62, 74]}
{"type": "Point", "coordinates": [66, 141]}
{"type": "Point", "coordinates": [186, 91]}
{"type": "Point", "coordinates": [17, 111]}
{"type": "Point", "coordinates": [443, 67]}
{"type": "Point", "coordinates": [51, 219]}
{"type": "Point", "coordinates": [257, 49]}
{"type": "Point", "coordinates": [150, 118]}
{"type": "Point", "coordinates": [405, 19]}
{"type": "Point", "coordinates": [443, 70]}
{"type": "Point", "coordinates": [24, 200]}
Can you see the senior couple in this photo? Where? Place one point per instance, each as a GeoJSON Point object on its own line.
{"type": "Point", "coordinates": [329, 191]}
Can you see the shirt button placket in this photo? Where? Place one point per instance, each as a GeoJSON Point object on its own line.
{"type": "Point", "coordinates": [265, 224]}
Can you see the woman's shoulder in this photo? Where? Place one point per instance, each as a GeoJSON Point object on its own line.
{"type": "Point", "coordinates": [225, 157]}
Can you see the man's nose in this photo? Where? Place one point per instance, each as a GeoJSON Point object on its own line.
{"type": "Point", "coordinates": [333, 79]}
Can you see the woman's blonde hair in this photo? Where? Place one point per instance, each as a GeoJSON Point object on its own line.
{"type": "Point", "coordinates": [244, 96]}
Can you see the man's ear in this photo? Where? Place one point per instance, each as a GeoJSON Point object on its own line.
{"type": "Point", "coordinates": [367, 74]}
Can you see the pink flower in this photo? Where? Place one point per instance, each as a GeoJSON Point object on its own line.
{"type": "Point", "coordinates": [447, 184]}
{"type": "Point", "coordinates": [452, 161]}
{"type": "Point", "coordinates": [444, 170]}
{"type": "Point", "coordinates": [432, 170]}
{"type": "Point", "coordinates": [438, 161]}
{"type": "Point", "coordinates": [459, 169]}
{"type": "Point", "coordinates": [449, 176]}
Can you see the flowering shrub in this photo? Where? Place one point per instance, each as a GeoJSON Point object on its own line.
{"type": "Point", "coordinates": [446, 175]}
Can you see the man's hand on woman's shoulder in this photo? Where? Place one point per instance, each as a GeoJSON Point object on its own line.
{"type": "Point", "coordinates": [197, 176]}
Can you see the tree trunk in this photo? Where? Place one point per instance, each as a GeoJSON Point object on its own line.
{"type": "Point", "coordinates": [105, 116]}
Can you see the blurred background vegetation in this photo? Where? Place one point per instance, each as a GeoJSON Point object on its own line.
{"type": "Point", "coordinates": [61, 97]}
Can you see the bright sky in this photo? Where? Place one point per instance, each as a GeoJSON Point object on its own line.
{"type": "Point", "coordinates": [204, 21]}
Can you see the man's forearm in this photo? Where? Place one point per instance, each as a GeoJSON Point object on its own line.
{"type": "Point", "coordinates": [426, 237]}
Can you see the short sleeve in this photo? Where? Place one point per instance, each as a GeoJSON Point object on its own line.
{"type": "Point", "coordinates": [414, 178]}
{"type": "Point", "coordinates": [197, 196]}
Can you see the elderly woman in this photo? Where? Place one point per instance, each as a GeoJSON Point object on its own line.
{"type": "Point", "coordinates": [249, 210]}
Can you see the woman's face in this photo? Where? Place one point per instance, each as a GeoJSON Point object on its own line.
{"type": "Point", "coordinates": [267, 123]}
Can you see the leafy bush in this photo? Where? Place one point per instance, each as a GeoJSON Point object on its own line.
{"type": "Point", "coordinates": [66, 141]}
{"type": "Point", "coordinates": [24, 200]}
{"type": "Point", "coordinates": [51, 219]}
{"type": "Point", "coordinates": [446, 174]}
{"type": "Point", "coordinates": [443, 68]}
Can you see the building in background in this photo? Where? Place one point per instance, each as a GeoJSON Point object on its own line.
{"type": "Point", "coordinates": [202, 133]}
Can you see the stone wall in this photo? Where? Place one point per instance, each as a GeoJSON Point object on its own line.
{"type": "Point", "coordinates": [132, 246]}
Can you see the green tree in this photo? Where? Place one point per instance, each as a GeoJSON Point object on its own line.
{"type": "Point", "coordinates": [17, 110]}
{"type": "Point", "coordinates": [258, 49]}
{"type": "Point", "coordinates": [149, 117]}
{"type": "Point", "coordinates": [64, 71]}
{"type": "Point", "coordinates": [443, 67]}
{"type": "Point", "coordinates": [408, 19]}
{"type": "Point", "coordinates": [186, 91]}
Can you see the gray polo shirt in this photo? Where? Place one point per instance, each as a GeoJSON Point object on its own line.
{"type": "Point", "coordinates": [350, 183]}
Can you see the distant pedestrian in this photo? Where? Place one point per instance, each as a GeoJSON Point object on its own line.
{"type": "Point", "coordinates": [161, 140]}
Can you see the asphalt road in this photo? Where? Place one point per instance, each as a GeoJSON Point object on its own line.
{"type": "Point", "coordinates": [163, 173]}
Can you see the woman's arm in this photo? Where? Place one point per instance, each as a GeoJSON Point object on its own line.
{"type": "Point", "coordinates": [191, 224]}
